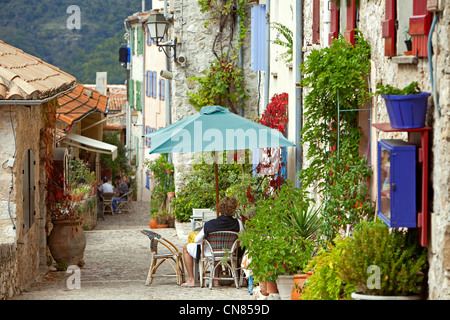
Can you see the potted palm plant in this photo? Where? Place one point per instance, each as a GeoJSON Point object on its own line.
{"type": "Point", "coordinates": [279, 238]}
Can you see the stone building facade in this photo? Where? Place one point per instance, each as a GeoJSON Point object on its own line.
{"type": "Point", "coordinates": [27, 84]}
{"type": "Point", "coordinates": [399, 70]}
{"type": "Point", "coordinates": [195, 33]}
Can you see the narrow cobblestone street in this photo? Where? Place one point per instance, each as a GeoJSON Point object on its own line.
{"type": "Point", "coordinates": [116, 266]}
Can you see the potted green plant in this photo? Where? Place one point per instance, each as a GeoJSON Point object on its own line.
{"type": "Point", "coordinates": [383, 263]}
{"type": "Point", "coordinates": [277, 249]}
{"type": "Point", "coordinates": [162, 172]}
{"type": "Point", "coordinates": [408, 41]}
{"type": "Point", "coordinates": [407, 107]}
{"type": "Point", "coordinates": [161, 217]}
{"type": "Point", "coordinates": [324, 282]}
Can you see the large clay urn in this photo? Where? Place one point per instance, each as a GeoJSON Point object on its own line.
{"type": "Point", "coordinates": [67, 242]}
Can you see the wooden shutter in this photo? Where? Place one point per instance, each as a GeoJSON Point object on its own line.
{"type": "Point", "coordinates": [388, 28]}
{"type": "Point", "coordinates": [28, 190]}
{"type": "Point", "coordinates": [349, 34]}
{"type": "Point", "coordinates": [138, 96]}
{"type": "Point", "coordinates": [419, 26]}
{"type": "Point", "coordinates": [316, 22]}
{"type": "Point", "coordinates": [334, 23]}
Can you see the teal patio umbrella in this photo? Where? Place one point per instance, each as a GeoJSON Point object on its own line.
{"type": "Point", "coordinates": [214, 128]}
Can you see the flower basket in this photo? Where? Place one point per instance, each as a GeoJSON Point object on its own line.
{"type": "Point", "coordinates": [407, 111]}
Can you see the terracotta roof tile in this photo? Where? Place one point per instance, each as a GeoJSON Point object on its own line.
{"type": "Point", "coordinates": [79, 102]}
{"type": "Point", "coordinates": [24, 77]}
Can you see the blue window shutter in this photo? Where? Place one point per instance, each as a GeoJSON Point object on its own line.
{"type": "Point", "coordinates": [163, 94]}
{"type": "Point", "coordinates": [258, 37]}
{"type": "Point", "coordinates": [150, 84]}
{"type": "Point", "coordinates": [159, 84]}
{"type": "Point", "coordinates": [146, 83]}
{"type": "Point", "coordinates": [155, 86]}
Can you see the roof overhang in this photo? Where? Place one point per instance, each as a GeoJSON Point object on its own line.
{"type": "Point", "coordinates": [91, 144]}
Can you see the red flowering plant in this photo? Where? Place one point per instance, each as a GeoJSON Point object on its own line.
{"type": "Point", "coordinates": [275, 116]}
{"type": "Point", "coordinates": [58, 201]}
{"type": "Point", "coordinates": [250, 189]}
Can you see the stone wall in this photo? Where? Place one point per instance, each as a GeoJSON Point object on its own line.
{"type": "Point", "coordinates": [391, 72]}
{"type": "Point", "coordinates": [23, 251]}
{"type": "Point", "coordinates": [8, 271]}
{"type": "Point", "coordinates": [195, 43]}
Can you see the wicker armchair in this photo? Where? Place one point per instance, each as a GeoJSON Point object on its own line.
{"type": "Point", "coordinates": [173, 257]}
{"type": "Point", "coordinates": [219, 249]}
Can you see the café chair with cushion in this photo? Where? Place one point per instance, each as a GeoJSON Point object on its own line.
{"type": "Point", "coordinates": [219, 249]}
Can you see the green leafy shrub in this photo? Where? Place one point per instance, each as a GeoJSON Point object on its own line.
{"type": "Point", "coordinates": [402, 262]}
{"type": "Point", "coordinates": [325, 282]}
{"type": "Point", "coordinates": [412, 88]}
{"type": "Point", "coordinates": [275, 245]}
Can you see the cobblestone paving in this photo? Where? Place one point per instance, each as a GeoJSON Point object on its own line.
{"type": "Point", "coordinates": [116, 266]}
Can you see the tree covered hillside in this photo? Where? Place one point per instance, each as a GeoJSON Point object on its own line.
{"type": "Point", "coordinates": [40, 28]}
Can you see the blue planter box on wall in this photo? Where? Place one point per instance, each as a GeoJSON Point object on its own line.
{"type": "Point", "coordinates": [407, 111]}
{"type": "Point", "coordinates": [397, 183]}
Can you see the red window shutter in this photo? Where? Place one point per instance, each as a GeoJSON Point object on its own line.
{"type": "Point", "coordinates": [388, 27]}
{"type": "Point", "coordinates": [349, 34]}
{"type": "Point", "coordinates": [316, 22]}
{"type": "Point", "coordinates": [419, 26]}
{"type": "Point", "coordinates": [334, 23]}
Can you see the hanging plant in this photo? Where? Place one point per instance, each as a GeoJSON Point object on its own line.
{"type": "Point", "coordinates": [222, 83]}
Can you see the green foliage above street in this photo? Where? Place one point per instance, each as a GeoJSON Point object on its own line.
{"type": "Point", "coordinates": [40, 29]}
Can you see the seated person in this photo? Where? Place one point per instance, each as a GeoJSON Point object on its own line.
{"type": "Point", "coordinates": [225, 222]}
{"type": "Point", "coordinates": [106, 187]}
{"type": "Point", "coordinates": [121, 190]}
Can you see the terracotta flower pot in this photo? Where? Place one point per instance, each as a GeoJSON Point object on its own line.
{"type": "Point", "coordinates": [161, 226]}
{"type": "Point", "coordinates": [263, 287]}
{"type": "Point", "coordinates": [272, 287]}
{"type": "Point", "coordinates": [67, 242]}
{"type": "Point", "coordinates": [171, 194]}
{"type": "Point", "coordinates": [299, 281]}
{"type": "Point", "coordinates": [153, 224]}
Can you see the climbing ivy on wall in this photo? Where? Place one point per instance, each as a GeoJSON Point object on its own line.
{"type": "Point", "coordinates": [222, 83]}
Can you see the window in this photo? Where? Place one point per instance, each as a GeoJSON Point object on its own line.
{"type": "Point", "coordinates": [349, 33]}
{"type": "Point", "coordinates": [316, 22]}
{"type": "Point", "coordinates": [334, 23]}
{"type": "Point", "coordinates": [28, 190]}
{"type": "Point", "coordinates": [403, 21]}
{"type": "Point", "coordinates": [163, 89]}
{"type": "Point", "coordinates": [343, 20]}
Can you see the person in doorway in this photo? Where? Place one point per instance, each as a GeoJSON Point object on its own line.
{"type": "Point", "coordinates": [122, 188]}
{"type": "Point", "coordinates": [225, 222]}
